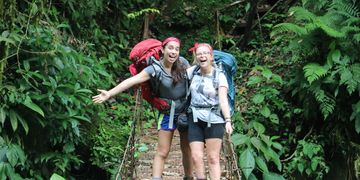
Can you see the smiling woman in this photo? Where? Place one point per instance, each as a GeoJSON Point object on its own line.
{"type": "Point", "coordinates": [207, 125]}
{"type": "Point", "coordinates": [172, 88]}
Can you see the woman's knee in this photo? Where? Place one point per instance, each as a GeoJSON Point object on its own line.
{"type": "Point", "coordinates": [197, 157]}
{"type": "Point", "coordinates": [163, 153]}
{"type": "Point", "coordinates": [213, 159]}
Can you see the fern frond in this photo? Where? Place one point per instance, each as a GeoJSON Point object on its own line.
{"type": "Point", "coordinates": [357, 37]}
{"type": "Point", "coordinates": [314, 71]}
{"type": "Point", "coordinates": [333, 17]}
{"type": "Point", "coordinates": [327, 104]}
{"type": "Point", "coordinates": [346, 9]}
{"type": "Point", "coordinates": [348, 29]}
{"type": "Point", "coordinates": [346, 77]}
{"type": "Point", "coordinates": [352, 21]}
{"type": "Point", "coordinates": [286, 27]}
{"type": "Point", "coordinates": [302, 14]}
{"type": "Point", "coordinates": [330, 31]}
{"type": "Point", "coordinates": [327, 107]}
{"type": "Point", "coordinates": [355, 81]}
{"type": "Point", "coordinates": [141, 12]}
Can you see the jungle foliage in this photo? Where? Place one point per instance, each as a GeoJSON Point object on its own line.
{"type": "Point", "coordinates": [297, 104]}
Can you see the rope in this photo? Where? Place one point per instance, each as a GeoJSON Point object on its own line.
{"type": "Point", "coordinates": [129, 151]}
{"type": "Point", "coordinates": [232, 169]}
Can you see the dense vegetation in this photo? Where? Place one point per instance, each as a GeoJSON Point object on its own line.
{"type": "Point", "coordinates": [298, 105]}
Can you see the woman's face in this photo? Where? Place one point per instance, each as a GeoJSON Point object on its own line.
{"type": "Point", "coordinates": [171, 51]}
{"type": "Point", "coordinates": [204, 56]}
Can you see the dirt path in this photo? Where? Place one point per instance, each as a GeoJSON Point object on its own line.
{"type": "Point", "coordinates": [173, 167]}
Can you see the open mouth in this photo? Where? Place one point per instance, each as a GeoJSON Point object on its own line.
{"type": "Point", "coordinates": [203, 60]}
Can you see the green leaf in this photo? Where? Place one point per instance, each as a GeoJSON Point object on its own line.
{"type": "Point", "coordinates": [23, 123]}
{"type": "Point", "coordinates": [247, 7]}
{"type": "Point", "coordinates": [84, 91]}
{"type": "Point", "coordinates": [2, 115]}
{"type": "Point", "coordinates": [13, 119]}
{"type": "Point", "coordinates": [335, 55]}
{"type": "Point", "coordinates": [256, 142]}
{"type": "Point", "coordinates": [252, 177]}
{"type": "Point", "coordinates": [56, 177]}
{"type": "Point", "coordinates": [357, 124]}
{"type": "Point", "coordinates": [314, 163]}
{"type": "Point", "coordinates": [34, 9]}
{"type": "Point", "coordinates": [254, 80]}
{"type": "Point", "coordinates": [277, 78]}
{"type": "Point", "coordinates": [258, 98]}
{"type": "Point", "coordinates": [12, 157]}
{"type": "Point", "coordinates": [274, 118]}
{"type": "Point", "coordinates": [259, 127]}
{"type": "Point", "coordinates": [272, 176]}
{"type": "Point", "coordinates": [267, 73]}
{"type": "Point", "coordinates": [239, 139]}
{"type": "Point", "coordinates": [20, 153]}
{"type": "Point", "coordinates": [278, 146]}
{"type": "Point", "coordinates": [265, 111]}
{"type": "Point", "coordinates": [265, 139]}
{"type": "Point", "coordinates": [261, 164]}
{"type": "Point", "coordinates": [4, 39]}
{"type": "Point", "coordinates": [275, 158]}
{"type": "Point", "coordinates": [28, 103]}
{"type": "Point", "coordinates": [300, 168]}
{"type": "Point", "coordinates": [247, 162]}
{"type": "Point", "coordinates": [82, 118]}
{"type": "Point", "coordinates": [68, 148]}
{"type": "Point", "coordinates": [62, 25]}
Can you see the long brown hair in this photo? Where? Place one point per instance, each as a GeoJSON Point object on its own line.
{"type": "Point", "coordinates": [178, 71]}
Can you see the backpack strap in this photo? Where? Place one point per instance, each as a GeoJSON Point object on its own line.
{"type": "Point", "coordinates": [212, 108]}
{"type": "Point", "coordinates": [157, 75]}
{"type": "Point", "coordinates": [155, 83]}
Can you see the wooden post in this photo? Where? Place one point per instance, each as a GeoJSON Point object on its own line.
{"type": "Point", "coordinates": [146, 26]}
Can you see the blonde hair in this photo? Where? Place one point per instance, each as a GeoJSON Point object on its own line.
{"type": "Point", "coordinates": [197, 45]}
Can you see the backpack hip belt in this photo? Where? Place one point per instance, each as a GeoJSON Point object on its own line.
{"type": "Point", "coordinates": [171, 111]}
{"type": "Point", "coordinates": [214, 109]}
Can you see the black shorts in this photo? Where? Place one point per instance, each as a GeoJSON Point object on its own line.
{"type": "Point", "coordinates": [199, 131]}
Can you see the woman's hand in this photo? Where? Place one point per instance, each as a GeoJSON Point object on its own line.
{"type": "Point", "coordinates": [228, 128]}
{"type": "Point", "coordinates": [103, 96]}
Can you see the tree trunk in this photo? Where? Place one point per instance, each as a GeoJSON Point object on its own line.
{"type": "Point", "coordinates": [250, 20]}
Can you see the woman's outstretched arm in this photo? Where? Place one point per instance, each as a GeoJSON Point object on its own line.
{"type": "Point", "coordinates": [124, 85]}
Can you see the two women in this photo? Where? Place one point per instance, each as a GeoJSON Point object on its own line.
{"type": "Point", "coordinates": [210, 112]}
{"type": "Point", "coordinates": [208, 98]}
{"type": "Point", "coordinates": [172, 87]}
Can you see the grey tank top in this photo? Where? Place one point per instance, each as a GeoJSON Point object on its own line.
{"type": "Point", "coordinates": [166, 88]}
